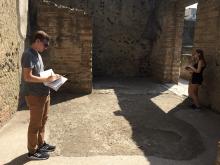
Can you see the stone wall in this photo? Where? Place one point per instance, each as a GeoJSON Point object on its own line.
{"type": "Point", "coordinates": [166, 54]}
{"type": "Point", "coordinates": [70, 51]}
{"type": "Point", "coordinates": [207, 37]}
{"type": "Point", "coordinates": [185, 61]}
{"type": "Point", "coordinates": [11, 45]}
{"type": "Point", "coordinates": [165, 58]}
{"type": "Point", "coordinates": [121, 45]}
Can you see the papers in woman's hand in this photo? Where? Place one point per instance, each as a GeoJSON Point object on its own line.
{"type": "Point", "coordinates": [55, 85]}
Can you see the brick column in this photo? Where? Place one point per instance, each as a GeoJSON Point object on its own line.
{"type": "Point", "coordinates": [165, 58]}
{"type": "Point", "coordinates": [207, 37]}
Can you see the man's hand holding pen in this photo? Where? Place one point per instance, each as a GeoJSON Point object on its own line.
{"type": "Point", "coordinates": [52, 77]}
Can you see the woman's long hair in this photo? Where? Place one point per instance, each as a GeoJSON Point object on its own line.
{"type": "Point", "coordinates": [201, 55]}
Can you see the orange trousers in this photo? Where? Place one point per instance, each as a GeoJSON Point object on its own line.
{"type": "Point", "coordinates": [39, 108]}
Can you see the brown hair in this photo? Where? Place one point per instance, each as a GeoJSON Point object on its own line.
{"type": "Point", "coordinates": [201, 55]}
{"type": "Point", "coordinates": [41, 35]}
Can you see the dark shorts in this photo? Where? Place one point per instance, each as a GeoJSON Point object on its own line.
{"type": "Point", "coordinates": [197, 80]}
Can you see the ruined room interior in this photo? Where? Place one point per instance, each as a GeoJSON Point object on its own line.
{"type": "Point", "coordinates": [113, 40]}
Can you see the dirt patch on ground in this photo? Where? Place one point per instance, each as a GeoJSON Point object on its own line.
{"type": "Point", "coordinates": [132, 117]}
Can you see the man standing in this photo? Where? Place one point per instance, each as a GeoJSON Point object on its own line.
{"type": "Point", "coordinates": [37, 96]}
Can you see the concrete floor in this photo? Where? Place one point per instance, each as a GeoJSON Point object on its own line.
{"type": "Point", "coordinates": [130, 122]}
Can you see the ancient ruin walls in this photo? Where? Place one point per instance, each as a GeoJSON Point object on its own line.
{"type": "Point", "coordinates": [121, 44]}
{"type": "Point", "coordinates": [70, 51]}
{"type": "Point", "coordinates": [166, 53]}
{"type": "Point", "coordinates": [10, 45]}
{"type": "Point", "coordinates": [207, 37]}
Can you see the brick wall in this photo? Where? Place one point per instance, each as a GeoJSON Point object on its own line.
{"type": "Point", "coordinates": [165, 58]}
{"type": "Point", "coordinates": [120, 44]}
{"type": "Point", "coordinates": [70, 51]}
{"type": "Point", "coordinates": [207, 37]}
{"type": "Point", "coordinates": [185, 61]}
{"type": "Point", "coordinates": [10, 44]}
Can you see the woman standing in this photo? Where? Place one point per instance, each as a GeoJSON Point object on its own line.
{"type": "Point", "coordinates": [197, 76]}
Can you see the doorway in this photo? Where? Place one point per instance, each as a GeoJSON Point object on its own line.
{"type": "Point", "coordinates": [187, 45]}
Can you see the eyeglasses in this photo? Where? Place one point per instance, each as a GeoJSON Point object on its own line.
{"type": "Point", "coordinates": [46, 43]}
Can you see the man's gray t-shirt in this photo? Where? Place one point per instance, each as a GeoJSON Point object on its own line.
{"type": "Point", "coordinates": [32, 59]}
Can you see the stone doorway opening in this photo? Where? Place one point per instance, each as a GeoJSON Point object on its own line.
{"type": "Point", "coordinates": [187, 45]}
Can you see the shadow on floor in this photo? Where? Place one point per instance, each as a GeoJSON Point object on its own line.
{"type": "Point", "coordinates": [59, 97]}
{"type": "Point", "coordinates": [155, 132]}
{"type": "Point", "coordinates": [56, 98]}
{"type": "Point", "coordinates": [22, 159]}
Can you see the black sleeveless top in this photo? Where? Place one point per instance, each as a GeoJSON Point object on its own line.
{"type": "Point", "coordinates": [197, 78]}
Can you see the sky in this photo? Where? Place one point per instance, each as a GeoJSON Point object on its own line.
{"type": "Point", "coordinates": [192, 6]}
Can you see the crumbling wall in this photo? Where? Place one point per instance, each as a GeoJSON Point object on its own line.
{"type": "Point", "coordinates": [10, 48]}
{"type": "Point", "coordinates": [70, 51]}
{"type": "Point", "coordinates": [121, 39]}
